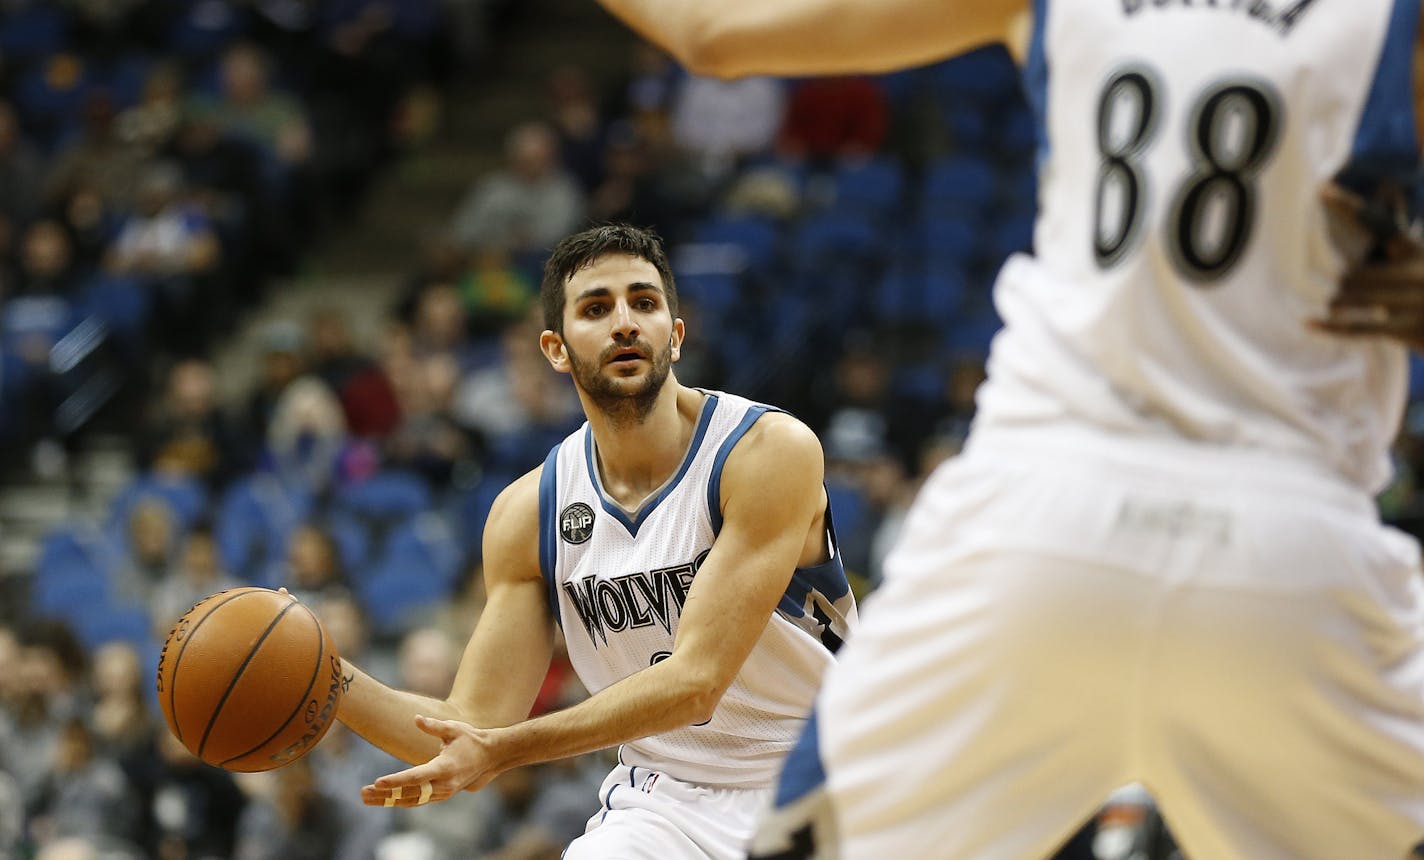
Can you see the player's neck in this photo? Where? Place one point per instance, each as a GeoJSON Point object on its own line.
{"type": "Point", "coordinates": [634, 460]}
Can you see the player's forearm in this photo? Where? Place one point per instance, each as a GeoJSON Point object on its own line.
{"type": "Point", "coordinates": [385, 716]}
{"type": "Point", "coordinates": [658, 699]}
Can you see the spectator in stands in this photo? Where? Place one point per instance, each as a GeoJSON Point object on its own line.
{"type": "Point", "coordinates": [528, 205]}
{"type": "Point", "coordinates": [307, 438]}
{"type": "Point", "coordinates": [313, 565]}
{"type": "Point", "coordinates": [172, 243]}
{"type": "Point", "coordinates": [834, 118]}
{"type": "Point", "coordinates": [282, 362]}
{"type": "Point", "coordinates": [575, 118]}
{"type": "Point", "coordinates": [151, 123]}
{"type": "Point", "coordinates": [342, 763]}
{"type": "Point", "coordinates": [47, 695]}
{"type": "Point", "coordinates": [495, 291]}
{"type": "Point", "coordinates": [89, 218]}
{"type": "Point", "coordinates": [629, 189]}
{"type": "Point", "coordinates": [537, 810]}
{"type": "Point", "coordinates": [342, 616]}
{"type": "Point", "coordinates": [428, 440]}
{"type": "Point", "coordinates": [721, 122]}
{"type": "Point", "coordinates": [296, 821]}
{"type": "Point", "coordinates": [21, 174]}
{"type": "Point", "coordinates": [84, 793]}
{"type": "Point", "coordinates": [151, 540]}
{"type": "Point", "coordinates": [189, 433]}
{"type": "Point", "coordinates": [98, 154]}
{"type": "Point", "coordinates": [188, 809]}
{"type": "Point", "coordinates": [120, 717]}
{"type": "Point", "coordinates": [198, 574]}
{"type": "Point", "coordinates": [248, 106]}
{"type": "Point", "coordinates": [46, 264]}
{"type": "Point", "coordinates": [365, 392]}
{"type": "Point", "coordinates": [515, 405]}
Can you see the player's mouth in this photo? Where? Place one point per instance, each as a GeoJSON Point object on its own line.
{"type": "Point", "coordinates": [627, 355]}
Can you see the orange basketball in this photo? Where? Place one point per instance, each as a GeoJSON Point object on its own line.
{"type": "Point", "coordinates": [248, 680]}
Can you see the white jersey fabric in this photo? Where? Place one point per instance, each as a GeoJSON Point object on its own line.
{"type": "Point", "coordinates": [1158, 559]}
{"type": "Point", "coordinates": [617, 581]}
{"type": "Point", "coordinates": [1181, 245]}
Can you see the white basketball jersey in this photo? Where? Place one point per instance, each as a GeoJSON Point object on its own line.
{"type": "Point", "coordinates": [1181, 244]}
{"type": "Point", "coordinates": [617, 581]}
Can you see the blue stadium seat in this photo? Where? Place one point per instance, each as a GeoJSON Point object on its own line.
{"type": "Point", "coordinates": [986, 76]}
{"type": "Point", "coordinates": [831, 239]}
{"type": "Point", "coordinates": [387, 495]}
{"type": "Point", "coordinates": [124, 304]}
{"type": "Point", "coordinates": [100, 624]}
{"type": "Point", "coordinates": [254, 520]}
{"type": "Point", "coordinates": [32, 31]}
{"type": "Point", "coordinates": [958, 183]}
{"type": "Point", "coordinates": [394, 599]}
{"type": "Point", "coordinates": [353, 541]}
{"type": "Point", "coordinates": [62, 590]}
{"type": "Point", "coordinates": [951, 238]}
{"type": "Point", "coordinates": [757, 238]}
{"type": "Point", "coordinates": [873, 186]}
{"type": "Point", "coordinates": [185, 496]}
{"type": "Point", "coordinates": [420, 548]}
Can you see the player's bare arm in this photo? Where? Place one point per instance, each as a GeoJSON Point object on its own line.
{"type": "Point", "coordinates": [772, 507]}
{"type": "Point", "coordinates": [505, 661]}
{"type": "Point", "coordinates": [809, 37]}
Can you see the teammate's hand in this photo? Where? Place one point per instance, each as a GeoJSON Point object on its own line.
{"type": "Point", "coordinates": [465, 763]}
{"type": "Point", "coordinates": [1382, 294]}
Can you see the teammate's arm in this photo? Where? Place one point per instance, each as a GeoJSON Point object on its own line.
{"type": "Point", "coordinates": [507, 656]}
{"type": "Point", "coordinates": [772, 493]}
{"type": "Point", "coordinates": [728, 38]}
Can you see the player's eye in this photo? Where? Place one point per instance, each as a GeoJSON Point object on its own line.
{"type": "Point", "coordinates": [593, 310]}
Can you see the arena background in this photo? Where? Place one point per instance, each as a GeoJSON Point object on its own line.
{"type": "Point", "coordinates": [267, 282]}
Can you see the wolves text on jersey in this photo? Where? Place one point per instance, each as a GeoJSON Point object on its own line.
{"type": "Point", "coordinates": [1282, 18]}
{"type": "Point", "coordinates": [634, 600]}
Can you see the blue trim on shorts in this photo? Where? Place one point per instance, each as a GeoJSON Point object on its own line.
{"type": "Point", "coordinates": [608, 799]}
{"type": "Point", "coordinates": [549, 528]}
{"type": "Point", "coordinates": [803, 771]}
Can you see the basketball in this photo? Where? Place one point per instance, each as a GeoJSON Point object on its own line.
{"type": "Point", "coordinates": [248, 680]}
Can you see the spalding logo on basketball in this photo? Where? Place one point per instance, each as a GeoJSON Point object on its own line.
{"type": "Point", "coordinates": [576, 523]}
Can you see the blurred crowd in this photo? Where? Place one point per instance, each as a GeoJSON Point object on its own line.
{"type": "Point", "coordinates": [834, 241]}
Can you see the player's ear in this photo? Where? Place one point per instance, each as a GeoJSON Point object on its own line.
{"type": "Point", "coordinates": [551, 343]}
{"type": "Point", "coordinates": [679, 331]}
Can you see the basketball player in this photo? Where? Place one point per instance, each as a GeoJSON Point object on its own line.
{"type": "Point", "coordinates": [1158, 559]}
{"type": "Point", "coordinates": [682, 540]}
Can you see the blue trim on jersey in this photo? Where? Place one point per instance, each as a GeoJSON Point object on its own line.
{"type": "Point", "coordinates": [1386, 144]}
{"type": "Point", "coordinates": [714, 481]}
{"type": "Point", "coordinates": [549, 527]}
{"type": "Point", "coordinates": [827, 578]}
{"type": "Point", "coordinates": [1035, 79]}
{"type": "Point", "coordinates": [803, 771]}
{"type": "Point", "coordinates": [632, 524]}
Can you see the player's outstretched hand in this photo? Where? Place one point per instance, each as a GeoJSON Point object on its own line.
{"type": "Point", "coordinates": [1382, 294]}
{"type": "Point", "coordinates": [464, 763]}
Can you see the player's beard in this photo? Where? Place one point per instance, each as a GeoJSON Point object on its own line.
{"type": "Point", "coordinates": [626, 403]}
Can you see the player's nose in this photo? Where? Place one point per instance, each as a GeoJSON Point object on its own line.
{"type": "Point", "coordinates": [624, 324]}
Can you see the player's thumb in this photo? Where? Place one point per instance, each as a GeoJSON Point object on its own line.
{"type": "Point", "coordinates": [442, 729]}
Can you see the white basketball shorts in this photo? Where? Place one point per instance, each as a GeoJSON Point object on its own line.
{"type": "Point", "coordinates": [1062, 617]}
{"type": "Point", "coordinates": [648, 815]}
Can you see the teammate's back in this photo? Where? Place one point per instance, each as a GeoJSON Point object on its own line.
{"type": "Point", "coordinates": [1181, 247]}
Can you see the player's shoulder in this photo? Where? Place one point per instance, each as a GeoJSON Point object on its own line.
{"type": "Point", "coordinates": [511, 532]}
{"type": "Point", "coordinates": [777, 442]}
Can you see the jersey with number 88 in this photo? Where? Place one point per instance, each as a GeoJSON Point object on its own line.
{"type": "Point", "coordinates": [1182, 246]}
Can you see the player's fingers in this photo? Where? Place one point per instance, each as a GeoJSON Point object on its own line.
{"type": "Point", "coordinates": [1341, 200]}
{"type": "Point", "coordinates": [406, 795]}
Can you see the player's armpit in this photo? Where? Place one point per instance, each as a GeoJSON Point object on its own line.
{"type": "Point", "coordinates": [730, 38]}
{"type": "Point", "coordinates": [772, 493]}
